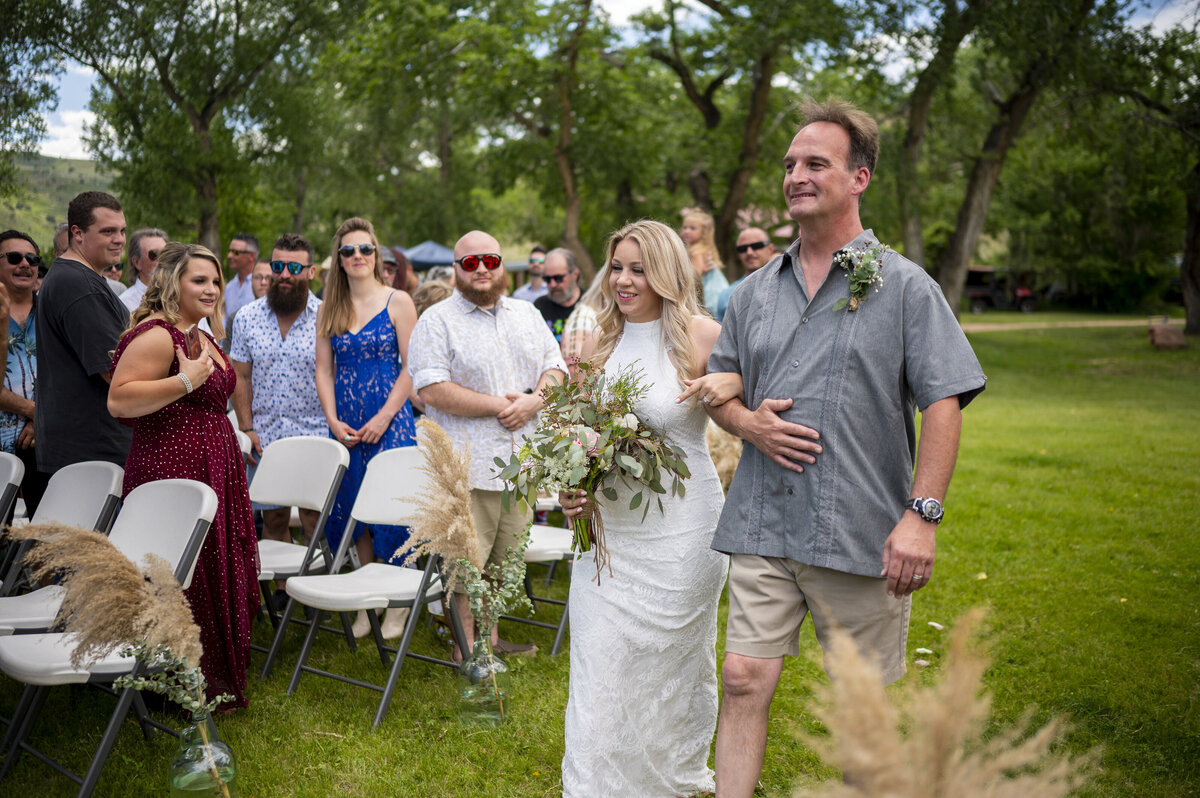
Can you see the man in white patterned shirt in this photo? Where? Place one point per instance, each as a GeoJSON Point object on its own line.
{"type": "Point", "coordinates": [479, 361]}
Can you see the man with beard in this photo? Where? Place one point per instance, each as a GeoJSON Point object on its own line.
{"type": "Point", "coordinates": [79, 322]}
{"type": "Point", "coordinates": [479, 360]}
{"type": "Point", "coordinates": [144, 246]}
{"type": "Point", "coordinates": [19, 262]}
{"type": "Point", "coordinates": [561, 273]}
{"type": "Point", "coordinates": [274, 353]}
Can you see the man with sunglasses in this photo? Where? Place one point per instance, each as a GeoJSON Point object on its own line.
{"type": "Point", "coordinates": [479, 360]}
{"type": "Point", "coordinates": [144, 246]}
{"type": "Point", "coordinates": [239, 290]}
{"type": "Point", "coordinates": [562, 290]}
{"type": "Point", "coordinates": [754, 249]}
{"type": "Point", "coordinates": [19, 262]}
{"type": "Point", "coordinates": [536, 287]}
{"type": "Point", "coordinates": [79, 323]}
{"type": "Point", "coordinates": [273, 349]}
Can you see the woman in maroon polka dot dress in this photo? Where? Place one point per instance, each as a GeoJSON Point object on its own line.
{"type": "Point", "coordinates": [172, 382]}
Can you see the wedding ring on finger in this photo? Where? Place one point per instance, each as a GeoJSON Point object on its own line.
{"type": "Point", "coordinates": [707, 400]}
{"type": "Point", "coordinates": [917, 577]}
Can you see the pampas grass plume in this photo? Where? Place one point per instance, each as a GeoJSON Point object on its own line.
{"type": "Point", "coordinates": [726, 451]}
{"type": "Point", "coordinates": [444, 523]}
{"type": "Point", "coordinates": [934, 746]}
{"type": "Point", "coordinates": [108, 602]}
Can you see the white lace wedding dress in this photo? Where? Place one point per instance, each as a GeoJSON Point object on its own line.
{"type": "Point", "coordinates": [643, 691]}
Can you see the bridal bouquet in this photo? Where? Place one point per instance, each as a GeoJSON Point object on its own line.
{"type": "Point", "coordinates": [588, 439]}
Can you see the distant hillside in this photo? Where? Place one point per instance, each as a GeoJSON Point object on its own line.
{"type": "Point", "coordinates": [50, 183]}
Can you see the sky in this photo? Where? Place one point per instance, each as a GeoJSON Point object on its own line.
{"type": "Point", "coordinates": [65, 126]}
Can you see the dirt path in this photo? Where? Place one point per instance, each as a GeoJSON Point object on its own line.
{"type": "Point", "coordinates": [1045, 325]}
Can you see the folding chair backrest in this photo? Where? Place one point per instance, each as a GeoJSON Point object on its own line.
{"type": "Point", "coordinates": [303, 471]}
{"type": "Point", "coordinates": [391, 486]}
{"type": "Point", "coordinates": [169, 518]}
{"type": "Point", "coordinates": [12, 471]}
{"type": "Point", "coordinates": [388, 494]}
{"type": "Point", "coordinates": [83, 494]}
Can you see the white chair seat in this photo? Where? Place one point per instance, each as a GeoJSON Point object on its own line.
{"type": "Point", "coordinates": [277, 557]}
{"type": "Point", "coordinates": [35, 610]}
{"type": "Point", "coordinates": [45, 659]}
{"type": "Point", "coordinates": [373, 586]}
{"type": "Point", "coordinates": [548, 543]}
{"type": "Point", "coordinates": [546, 503]}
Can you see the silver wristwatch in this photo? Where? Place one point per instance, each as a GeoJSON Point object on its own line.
{"type": "Point", "coordinates": [929, 509]}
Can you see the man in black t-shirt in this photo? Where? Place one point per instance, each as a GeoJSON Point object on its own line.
{"type": "Point", "coordinates": [561, 273]}
{"type": "Point", "coordinates": [79, 322]}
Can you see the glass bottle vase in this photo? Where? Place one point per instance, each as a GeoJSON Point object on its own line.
{"type": "Point", "coordinates": [484, 686]}
{"type": "Point", "coordinates": [204, 766]}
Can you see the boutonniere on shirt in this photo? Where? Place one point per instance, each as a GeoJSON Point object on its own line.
{"type": "Point", "coordinates": [864, 267]}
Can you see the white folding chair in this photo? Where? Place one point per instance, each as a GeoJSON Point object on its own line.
{"type": "Point", "coordinates": [169, 518]}
{"type": "Point", "coordinates": [12, 471]}
{"type": "Point", "coordinates": [82, 494]}
{"type": "Point", "coordinates": [304, 471]}
{"type": "Point", "coordinates": [548, 545]}
{"type": "Point", "coordinates": [387, 495]}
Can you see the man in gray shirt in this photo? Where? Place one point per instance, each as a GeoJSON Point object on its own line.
{"type": "Point", "coordinates": [824, 515]}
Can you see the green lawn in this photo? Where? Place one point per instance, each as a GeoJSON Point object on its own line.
{"type": "Point", "coordinates": [1071, 518]}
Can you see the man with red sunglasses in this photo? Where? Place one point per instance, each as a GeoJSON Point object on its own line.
{"type": "Point", "coordinates": [144, 246]}
{"type": "Point", "coordinates": [479, 360]}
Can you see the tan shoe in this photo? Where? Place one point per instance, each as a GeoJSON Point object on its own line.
{"type": "Point", "coordinates": [394, 621]}
{"type": "Point", "coordinates": [362, 625]}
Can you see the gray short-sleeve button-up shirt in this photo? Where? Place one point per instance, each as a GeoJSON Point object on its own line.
{"type": "Point", "coordinates": [855, 377]}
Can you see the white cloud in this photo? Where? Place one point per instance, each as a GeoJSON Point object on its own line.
{"type": "Point", "coordinates": [64, 134]}
{"type": "Point", "coordinates": [1166, 14]}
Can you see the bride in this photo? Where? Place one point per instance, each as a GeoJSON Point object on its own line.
{"type": "Point", "coordinates": [643, 690]}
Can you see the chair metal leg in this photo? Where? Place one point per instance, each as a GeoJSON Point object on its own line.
{"type": "Point", "coordinates": [107, 742]}
{"type": "Point", "coordinates": [377, 633]}
{"type": "Point", "coordinates": [394, 675]}
{"type": "Point", "coordinates": [313, 628]}
{"type": "Point", "coordinates": [18, 728]}
{"type": "Point", "coordinates": [562, 627]}
{"type": "Point", "coordinates": [280, 630]}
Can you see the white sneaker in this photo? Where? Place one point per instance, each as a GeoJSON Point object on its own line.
{"type": "Point", "coordinates": [362, 625]}
{"type": "Point", "coordinates": [394, 621]}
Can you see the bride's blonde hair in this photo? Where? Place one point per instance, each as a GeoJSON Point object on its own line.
{"type": "Point", "coordinates": [669, 272]}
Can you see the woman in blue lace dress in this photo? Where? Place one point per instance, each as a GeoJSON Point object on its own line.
{"type": "Point", "coordinates": [363, 383]}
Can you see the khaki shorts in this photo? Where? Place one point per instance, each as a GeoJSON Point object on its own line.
{"type": "Point", "coordinates": [769, 597]}
{"type": "Point", "coordinates": [497, 529]}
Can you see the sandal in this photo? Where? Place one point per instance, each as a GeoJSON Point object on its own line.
{"type": "Point", "coordinates": [516, 649]}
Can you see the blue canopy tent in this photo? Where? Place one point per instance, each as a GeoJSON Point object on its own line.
{"type": "Point", "coordinates": [429, 253]}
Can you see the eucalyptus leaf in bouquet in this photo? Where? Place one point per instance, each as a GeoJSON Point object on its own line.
{"type": "Point", "coordinates": [589, 438]}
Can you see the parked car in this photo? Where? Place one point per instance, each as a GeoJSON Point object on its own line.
{"type": "Point", "coordinates": [997, 289]}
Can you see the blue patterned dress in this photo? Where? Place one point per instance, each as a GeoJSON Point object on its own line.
{"type": "Point", "coordinates": [367, 366]}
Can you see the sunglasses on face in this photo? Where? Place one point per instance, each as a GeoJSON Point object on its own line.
{"type": "Point", "coordinates": [555, 278]}
{"type": "Point", "coordinates": [347, 250]}
{"type": "Point", "coordinates": [152, 254]}
{"type": "Point", "coordinates": [756, 246]}
{"type": "Point", "coordinates": [292, 266]}
{"type": "Point", "coordinates": [537, 260]}
{"type": "Point", "coordinates": [15, 258]}
{"type": "Point", "coordinates": [470, 263]}
{"type": "Point", "coordinates": [233, 251]}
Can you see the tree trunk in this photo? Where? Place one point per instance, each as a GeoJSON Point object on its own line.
{"type": "Point", "coordinates": [445, 139]}
{"type": "Point", "coordinates": [562, 150]}
{"type": "Point", "coordinates": [955, 27]}
{"type": "Point", "coordinates": [207, 230]}
{"type": "Point", "coordinates": [726, 219]}
{"type": "Point", "coordinates": [952, 271]}
{"type": "Point", "coordinates": [301, 196]}
{"type": "Point", "coordinates": [1189, 269]}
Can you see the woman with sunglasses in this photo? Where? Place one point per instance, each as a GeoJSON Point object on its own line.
{"type": "Point", "coordinates": [363, 328]}
{"type": "Point", "coordinates": [171, 382]}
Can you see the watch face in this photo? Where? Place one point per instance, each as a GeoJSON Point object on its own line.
{"type": "Point", "coordinates": [932, 509]}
